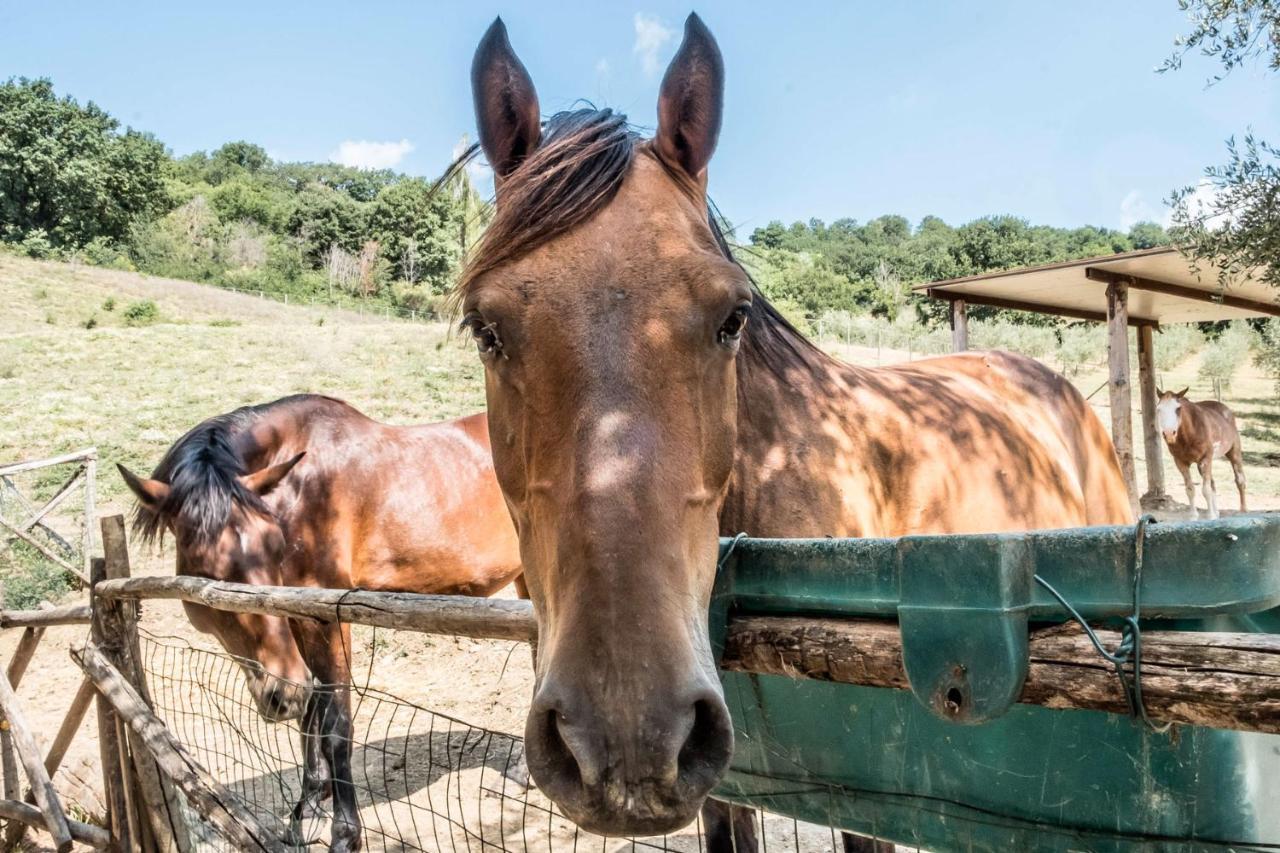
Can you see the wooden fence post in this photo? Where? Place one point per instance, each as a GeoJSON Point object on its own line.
{"type": "Point", "coordinates": [959, 325]}
{"type": "Point", "coordinates": [108, 741]}
{"type": "Point", "coordinates": [149, 803]}
{"type": "Point", "coordinates": [1121, 399]}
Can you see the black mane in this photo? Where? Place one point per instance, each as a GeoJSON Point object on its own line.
{"type": "Point", "coordinates": [202, 470]}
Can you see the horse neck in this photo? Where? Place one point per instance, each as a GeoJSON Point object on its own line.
{"type": "Point", "coordinates": [785, 444]}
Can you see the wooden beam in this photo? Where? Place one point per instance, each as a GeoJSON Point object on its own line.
{"type": "Point", "coordinates": [485, 618]}
{"type": "Point", "coordinates": [86, 833]}
{"type": "Point", "coordinates": [1121, 400]}
{"type": "Point", "coordinates": [1017, 305]}
{"type": "Point", "coordinates": [959, 325]}
{"type": "Point", "coordinates": [1152, 443]}
{"type": "Point", "coordinates": [55, 820]}
{"type": "Point", "coordinates": [1225, 681]}
{"type": "Point", "coordinates": [67, 614]}
{"type": "Point", "coordinates": [213, 801]}
{"type": "Point", "coordinates": [1182, 291]}
{"type": "Point", "coordinates": [78, 456]}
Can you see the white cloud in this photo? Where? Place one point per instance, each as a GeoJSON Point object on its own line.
{"type": "Point", "coordinates": [1134, 209]}
{"type": "Point", "coordinates": [1200, 205]}
{"type": "Point", "coordinates": [363, 154]}
{"type": "Point", "coordinates": [651, 35]}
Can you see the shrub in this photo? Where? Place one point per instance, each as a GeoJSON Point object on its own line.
{"type": "Point", "coordinates": [142, 313]}
{"type": "Point", "coordinates": [110, 304]}
{"type": "Point", "coordinates": [1081, 344]}
{"type": "Point", "coordinates": [36, 244]}
{"type": "Point", "coordinates": [91, 323]}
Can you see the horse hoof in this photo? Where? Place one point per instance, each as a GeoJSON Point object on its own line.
{"type": "Point", "coordinates": [346, 837]}
{"type": "Point", "coordinates": [306, 824]}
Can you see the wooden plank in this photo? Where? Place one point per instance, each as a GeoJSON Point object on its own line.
{"type": "Point", "coordinates": [1226, 681]}
{"type": "Point", "coordinates": [487, 618]}
{"type": "Point", "coordinates": [39, 546]}
{"type": "Point", "coordinates": [1017, 305]}
{"type": "Point", "coordinates": [1153, 445]}
{"type": "Point", "coordinates": [85, 833]}
{"type": "Point", "coordinates": [210, 798]}
{"type": "Point", "coordinates": [1118, 385]}
{"type": "Point", "coordinates": [76, 456]}
{"type": "Point", "coordinates": [959, 325]}
{"type": "Point", "coordinates": [1152, 285]}
{"type": "Point", "coordinates": [67, 614]}
{"type": "Point", "coordinates": [29, 753]}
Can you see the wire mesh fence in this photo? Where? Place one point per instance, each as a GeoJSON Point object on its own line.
{"type": "Point", "coordinates": [423, 780]}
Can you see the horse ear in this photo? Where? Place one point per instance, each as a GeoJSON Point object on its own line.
{"type": "Point", "coordinates": [691, 101]}
{"type": "Point", "coordinates": [150, 493]}
{"type": "Point", "coordinates": [1183, 393]}
{"type": "Point", "coordinates": [507, 114]}
{"type": "Point", "coordinates": [262, 482]}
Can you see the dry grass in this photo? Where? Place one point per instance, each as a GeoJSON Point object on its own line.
{"type": "Point", "coordinates": [132, 390]}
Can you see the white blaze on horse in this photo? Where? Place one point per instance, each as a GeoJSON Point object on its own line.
{"type": "Point", "coordinates": [1197, 434]}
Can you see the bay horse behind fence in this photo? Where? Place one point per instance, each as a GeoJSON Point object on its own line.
{"type": "Point", "coordinates": [1196, 434]}
{"type": "Point", "coordinates": [644, 398]}
{"type": "Point", "coordinates": [307, 491]}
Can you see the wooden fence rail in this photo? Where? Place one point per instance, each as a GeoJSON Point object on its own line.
{"type": "Point", "coordinates": [1227, 681]}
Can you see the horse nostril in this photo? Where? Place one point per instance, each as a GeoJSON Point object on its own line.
{"type": "Point", "coordinates": [709, 746]}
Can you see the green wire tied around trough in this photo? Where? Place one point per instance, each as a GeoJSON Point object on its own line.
{"type": "Point", "coordinates": [1129, 649]}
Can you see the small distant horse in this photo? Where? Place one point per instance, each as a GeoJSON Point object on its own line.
{"type": "Point", "coordinates": [307, 491]}
{"type": "Point", "coordinates": [1197, 434]}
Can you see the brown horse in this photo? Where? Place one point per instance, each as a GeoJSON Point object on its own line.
{"type": "Point", "coordinates": [307, 491]}
{"type": "Point", "coordinates": [645, 399]}
{"type": "Point", "coordinates": [1197, 434]}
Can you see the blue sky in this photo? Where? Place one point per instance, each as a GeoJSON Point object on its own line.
{"type": "Point", "coordinates": [1047, 110]}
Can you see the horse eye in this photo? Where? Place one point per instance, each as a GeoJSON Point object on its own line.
{"type": "Point", "coordinates": [731, 331]}
{"type": "Point", "coordinates": [485, 334]}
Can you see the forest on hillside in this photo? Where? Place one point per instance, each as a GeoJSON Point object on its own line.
{"type": "Point", "coordinates": [75, 184]}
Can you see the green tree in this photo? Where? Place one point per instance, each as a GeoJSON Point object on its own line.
{"type": "Point", "coordinates": [417, 230]}
{"type": "Point", "coordinates": [69, 172]}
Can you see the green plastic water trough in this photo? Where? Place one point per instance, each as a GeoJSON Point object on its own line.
{"type": "Point", "coordinates": [979, 772]}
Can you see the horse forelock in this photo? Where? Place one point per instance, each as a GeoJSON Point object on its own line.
{"type": "Point", "coordinates": [202, 470]}
{"type": "Point", "coordinates": [575, 171]}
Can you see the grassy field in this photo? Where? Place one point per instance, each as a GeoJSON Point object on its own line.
{"type": "Point", "coordinates": [131, 390]}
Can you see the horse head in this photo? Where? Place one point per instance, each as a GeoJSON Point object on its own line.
{"type": "Point", "coordinates": [1169, 412]}
{"type": "Point", "coordinates": [223, 530]}
{"type": "Point", "coordinates": [609, 317]}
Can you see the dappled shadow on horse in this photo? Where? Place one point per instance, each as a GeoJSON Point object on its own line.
{"type": "Point", "coordinates": [644, 399]}
{"type": "Point", "coordinates": [307, 491]}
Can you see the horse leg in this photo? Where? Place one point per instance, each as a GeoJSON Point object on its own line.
{"type": "Point", "coordinates": [1206, 483]}
{"type": "Point", "coordinates": [315, 776]}
{"type": "Point", "coordinates": [1185, 470]}
{"type": "Point", "coordinates": [1236, 458]}
{"type": "Point", "coordinates": [728, 828]}
{"type": "Point", "coordinates": [324, 647]}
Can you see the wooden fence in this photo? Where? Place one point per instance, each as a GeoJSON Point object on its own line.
{"type": "Point", "coordinates": [1219, 680]}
